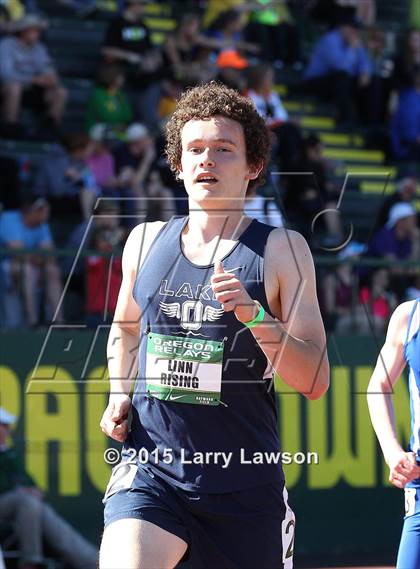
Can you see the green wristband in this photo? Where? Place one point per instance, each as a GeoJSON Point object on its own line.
{"type": "Point", "coordinates": [259, 317]}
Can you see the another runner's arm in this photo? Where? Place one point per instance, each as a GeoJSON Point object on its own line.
{"type": "Point", "coordinates": [296, 343]}
{"type": "Point", "coordinates": [388, 369]}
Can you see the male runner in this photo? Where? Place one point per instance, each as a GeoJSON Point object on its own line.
{"type": "Point", "coordinates": [402, 346]}
{"type": "Point", "coordinates": [213, 301]}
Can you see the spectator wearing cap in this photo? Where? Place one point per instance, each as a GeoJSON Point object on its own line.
{"type": "Point", "coordinates": [108, 104]}
{"type": "Point", "coordinates": [339, 67]}
{"type": "Point", "coordinates": [405, 123]}
{"type": "Point", "coordinates": [135, 158]}
{"type": "Point", "coordinates": [405, 192]}
{"type": "Point", "coordinates": [399, 239]}
{"type": "Point", "coordinates": [28, 75]}
{"type": "Point", "coordinates": [231, 66]}
{"type": "Point", "coordinates": [23, 505]}
{"type": "Point", "coordinates": [25, 273]}
{"type": "Point", "coordinates": [128, 42]}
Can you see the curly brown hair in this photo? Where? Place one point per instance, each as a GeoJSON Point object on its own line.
{"type": "Point", "coordinates": [211, 99]}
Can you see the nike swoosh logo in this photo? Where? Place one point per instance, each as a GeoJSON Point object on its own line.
{"type": "Point", "coordinates": [172, 397]}
{"type": "Point", "coordinates": [235, 269]}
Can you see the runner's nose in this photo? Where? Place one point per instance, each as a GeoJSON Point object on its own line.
{"type": "Point", "coordinates": [207, 160]}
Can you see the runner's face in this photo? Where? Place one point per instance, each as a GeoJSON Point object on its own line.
{"type": "Point", "coordinates": [213, 161]}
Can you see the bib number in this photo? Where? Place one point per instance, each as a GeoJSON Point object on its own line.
{"type": "Point", "coordinates": [122, 477]}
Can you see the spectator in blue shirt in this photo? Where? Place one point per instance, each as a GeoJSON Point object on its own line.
{"type": "Point", "coordinates": [339, 65]}
{"type": "Point", "coordinates": [405, 123]}
{"type": "Point", "coordinates": [24, 273]}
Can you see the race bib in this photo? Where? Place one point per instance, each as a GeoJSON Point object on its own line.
{"type": "Point", "coordinates": [184, 370]}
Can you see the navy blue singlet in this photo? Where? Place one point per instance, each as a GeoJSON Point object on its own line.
{"type": "Point", "coordinates": [412, 357]}
{"type": "Point", "coordinates": [204, 385]}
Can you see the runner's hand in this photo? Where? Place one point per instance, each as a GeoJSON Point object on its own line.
{"type": "Point", "coordinates": [114, 422]}
{"type": "Point", "coordinates": [403, 469]}
{"type": "Point", "coordinates": [230, 292]}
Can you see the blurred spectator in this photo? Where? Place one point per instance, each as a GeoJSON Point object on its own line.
{"type": "Point", "coordinates": [28, 76]}
{"type": "Point", "coordinates": [374, 103]}
{"type": "Point", "coordinates": [108, 104]}
{"type": "Point", "coordinates": [339, 289]}
{"type": "Point", "coordinates": [264, 209]}
{"type": "Point", "coordinates": [128, 41]}
{"type": "Point", "coordinates": [213, 9]}
{"type": "Point", "coordinates": [378, 302]}
{"type": "Point", "coordinates": [23, 504]}
{"type": "Point", "coordinates": [10, 10]}
{"type": "Point", "coordinates": [309, 192]}
{"type": "Point", "coordinates": [405, 123]}
{"type": "Point", "coordinates": [103, 278]}
{"type": "Point", "coordinates": [339, 68]}
{"type": "Point", "coordinates": [407, 60]}
{"type": "Point", "coordinates": [271, 26]}
{"type": "Point", "coordinates": [9, 187]}
{"type": "Point", "coordinates": [101, 161]}
{"type": "Point", "coordinates": [25, 273]}
{"type": "Point", "coordinates": [286, 135]}
{"type": "Point", "coordinates": [413, 290]}
{"type": "Point", "coordinates": [406, 191]}
{"type": "Point", "coordinates": [134, 160]}
{"type": "Point", "coordinates": [227, 30]}
{"type": "Point", "coordinates": [398, 239]}
{"type": "Point", "coordinates": [183, 52]}
{"type": "Point", "coordinates": [231, 66]}
{"type": "Point", "coordinates": [160, 199]}
{"type": "Point", "coordinates": [365, 10]}
{"type": "Point", "coordinates": [65, 178]}
{"type": "Point", "coordinates": [260, 81]}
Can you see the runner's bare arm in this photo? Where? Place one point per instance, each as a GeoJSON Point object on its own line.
{"type": "Point", "coordinates": [295, 343]}
{"type": "Point", "coordinates": [388, 369]}
{"type": "Point", "coordinates": [123, 339]}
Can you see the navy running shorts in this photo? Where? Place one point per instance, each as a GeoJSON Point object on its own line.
{"type": "Point", "coordinates": [409, 550]}
{"type": "Point", "coordinates": [236, 530]}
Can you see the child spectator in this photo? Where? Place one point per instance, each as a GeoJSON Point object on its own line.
{"type": "Point", "coordinates": [28, 76]}
{"type": "Point", "coordinates": [108, 104]}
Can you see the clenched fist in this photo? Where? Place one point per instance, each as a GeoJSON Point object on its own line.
{"type": "Point", "coordinates": [114, 422]}
{"type": "Point", "coordinates": [231, 294]}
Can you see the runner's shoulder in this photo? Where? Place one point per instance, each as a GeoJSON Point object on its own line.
{"type": "Point", "coordinates": [139, 241]}
{"type": "Point", "coordinates": [398, 322]}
